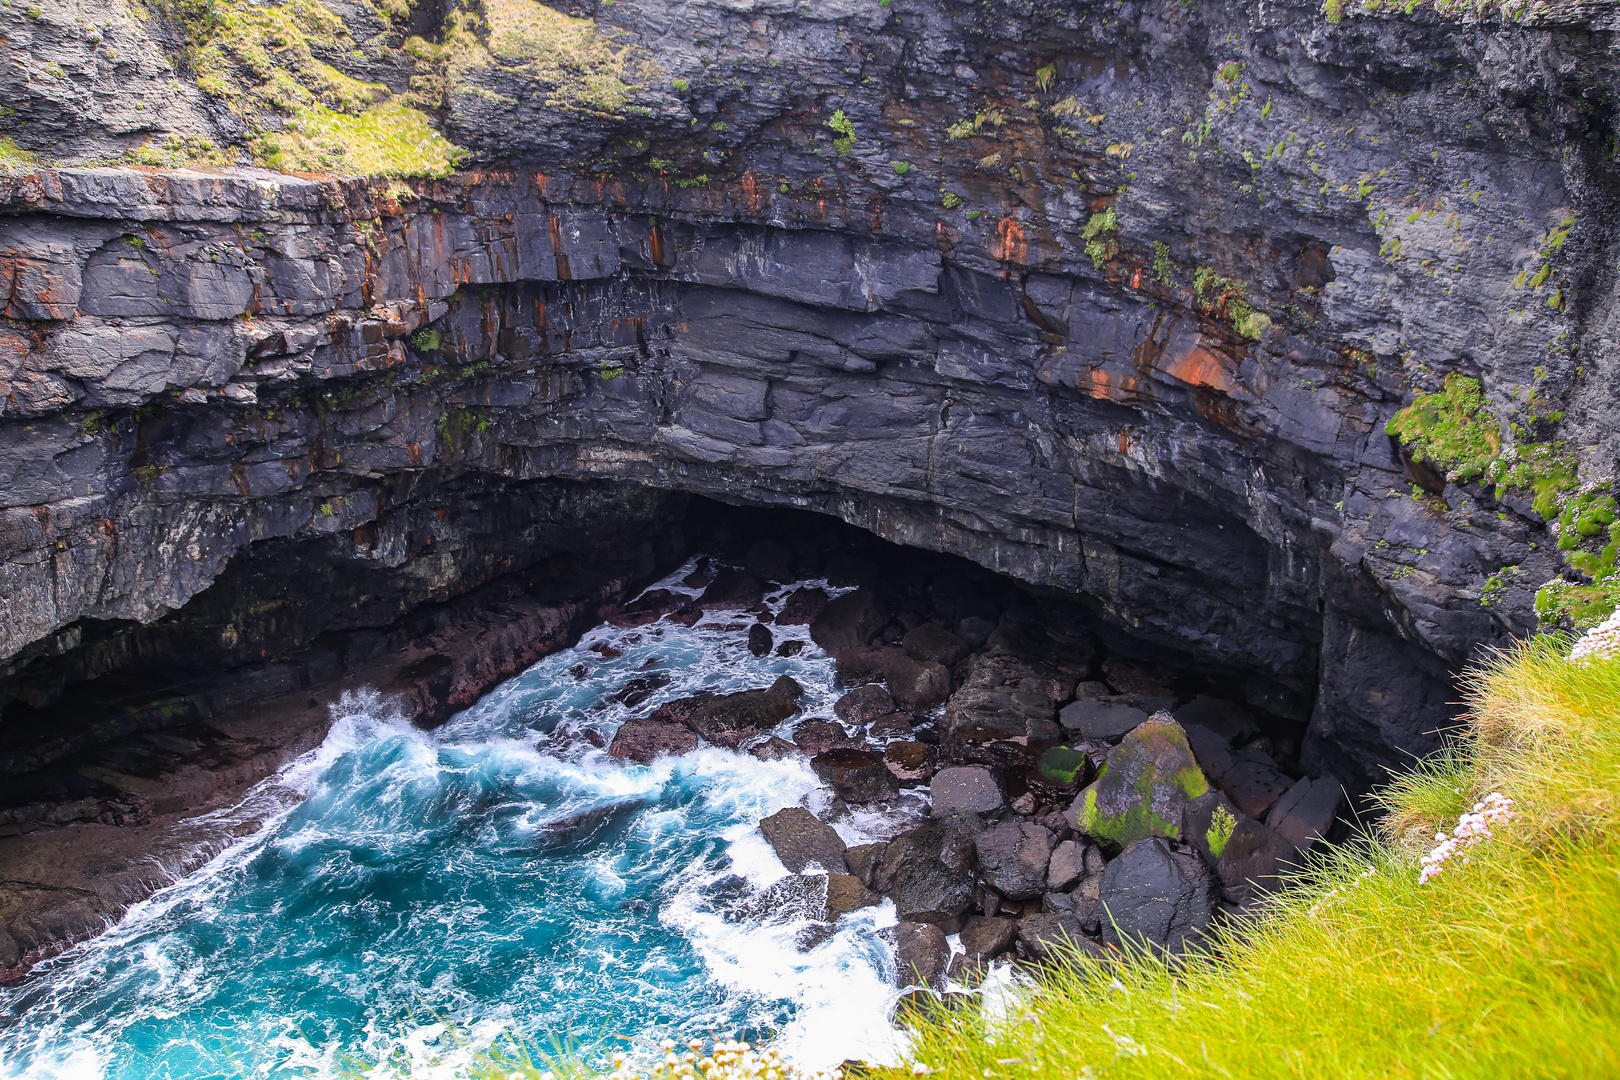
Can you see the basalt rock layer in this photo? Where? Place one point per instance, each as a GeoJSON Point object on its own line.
{"type": "Point", "coordinates": [1115, 299]}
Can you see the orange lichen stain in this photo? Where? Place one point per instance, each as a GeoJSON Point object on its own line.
{"type": "Point", "coordinates": [1136, 279]}
{"type": "Point", "coordinates": [1013, 246]}
{"type": "Point", "coordinates": [1201, 367]}
{"type": "Point", "coordinates": [1109, 385]}
{"type": "Point", "coordinates": [750, 190]}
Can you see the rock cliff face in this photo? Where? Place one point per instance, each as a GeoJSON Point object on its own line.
{"type": "Point", "coordinates": [1115, 299]}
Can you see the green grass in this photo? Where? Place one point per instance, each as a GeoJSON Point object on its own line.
{"type": "Point", "coordinates": [1505, 966]}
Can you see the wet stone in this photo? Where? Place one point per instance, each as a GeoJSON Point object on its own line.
{"type": "Point", "coordinates": [759, 639]}
{"type": "Point", "coordinates": [802, 840]}
{"type": "Point", "coordinates": [858, 776]}
{"type": "Point", "coordinates": [863, 704]}
{"type": "Point", "coordinates": [968, 788]}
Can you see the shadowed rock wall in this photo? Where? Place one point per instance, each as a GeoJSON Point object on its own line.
{"type": "Point", "coordinates": [1127, 324]}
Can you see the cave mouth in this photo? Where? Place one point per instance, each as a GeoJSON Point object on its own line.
{"type": "Point", "coordinates": [132, 720]}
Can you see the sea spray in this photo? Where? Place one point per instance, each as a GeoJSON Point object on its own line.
{"type": "Point", "coordinates": [410, 889]}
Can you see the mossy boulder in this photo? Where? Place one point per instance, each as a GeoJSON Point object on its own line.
{"type": "Point", "coordinates": [1144, 788]}
{"type": "Point", "coordinates": [1062, 766]}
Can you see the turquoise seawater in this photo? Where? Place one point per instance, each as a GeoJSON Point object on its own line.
{"type": "Point", "coordinates": [413, 890]}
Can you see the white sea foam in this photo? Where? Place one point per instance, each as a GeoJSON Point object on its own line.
{"type": "Point", "coordinates": [410, 869]}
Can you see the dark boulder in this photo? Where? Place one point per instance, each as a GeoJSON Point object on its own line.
{"type": "Point", "coordinates": [965, 789]}
{"type": "Point", "coordinates": [1014, 858]}
{"type": "Point", "coordinates": [637, 690]}
{"type": "Point", "coordinates": [1155, 894]}
{"type": "Point", "coordinates": [727, 721]}
{"type": "Point", "coordinates": [987, 937]}
{"type": "Point", "coordinates": [1048, 936]}
{"type": "Point", "coordinates": [856, 775]}
{"type": "Point", "coordinates": [1004, 708]}
{"type": "Point", "coordinates": [649, 607]}
{"type": "Point", "coordinates": [801, 840]}
{"type": "Point", "coordinates": [1305, 813]}
{"type": "Point", "coordinates": [816, 737]}
{"type": "Point", "coordinates": [921, 954]}
{"type": "Point", "coordinates": [911, 763]}
{"type": "Point", "coordinates": [863, 704]}
{"type": "Point", "coordinates": [896, 725]}
{"type": "Point", "coordinates": [917, 686]}
{"type": "Point", "coordinates": [1066, 866]}
{"type": "Point", "coordinates": [862, 858]}
{"type": "Point", "coordinates": [644, 738]}
{"type": "Point", "coordinates": [773, 749]}
{"type": "Point", "coordinates": [849, 622]}
{"type": "Point", "coordinates": [802, 607]}
{"type": "Point", "coordinates": [733, 589]}
{"type": "Point", "coordinates": [975, 630]}
{"type": "Point", "coordinates": [931, 642]}
{"type": "Point", "coordinates": [846, 893]}
{"type": "Point", "coordinates": [759, 639]}
{"type": "Point", "coordinates": [790, 648]}
{"type": "Point", "coordinates": [929, 891]}
{"type": "Point", "coordinates": [1099, 721]}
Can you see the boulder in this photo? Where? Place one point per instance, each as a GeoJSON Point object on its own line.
{"type": "Point", "coordinates": [921, 954]}
{"type": "Point", "coordinates": [1066, 867]}
{"type": "Point", "coordinates": [856, 775]}
{"type": "Point", "coordinates": [1154, 894]}
{"type": "Point", "coordinates": [638, 690]}
{"type": "Point", "coordinates": [644, 738]}
{"type": "Point", "coordinates": [967, 972]}
{"type": "Point", "coordinates": [773, 749]}
{"type": "Point", "coordinates": [1005, 707]}
{"type": "Point", "coordinates": [932, 642]}
{"type": "Point", "coordinates": [928, 891]}
{"type": "Point", "coordinates": [734, 590]}
{"type": "Point", "coordinates": [965, 789]}
{"type": "Point", "coordinates": [862, 858]}
{"type": "Point", "coordinates": [846, 893]}
{"type": "Point", "coordinates": [1047, 936]}
{"type": "Point", "coordinates": [896, 725]}
{"type": "Point", "coordinates": [802, 607]}
{"type": "Point", "coordinates": [769, 561]}
{"type": "Point", "coordinates": [1099, 721]}
{"type": "Point", "coordinates": [863, 704]}
{"type": "Point", "coordinates": [1253, 860]}
{"type": "Point", "coordinates": [727, 721]}
{"type": "Point", "coordinates": [1063, 767]}
{"type": "Point", "coordinates": [650, 606]}
{"type": "Point", "coordinates": [987, 937]}
{"type": "Point", "coordinates": [911, 763]}
{"type": "Point", "coordinates": [849, 622]}
{"type": "Point", "coordinates": [790, 648]}
{"type": "Point", "coordinates": [975, 630]}
{"type": "Point", "coordinates": [1143, 790]}
{"type": "Point", "coordinates": [1254, 786]}
{"type": "Point", "coordinates": [948, 841]}
{"type": "Point", "coordinates": [759, 639]}
{"type": "Point", "coordinates": [1210, 822]}
{"type": "Point", "coordinates": [816, 737]}
{"type": "Point", "coordinates": [1014, 857]}
{"type": "Point", "coordinates": [917, 686]}
{"type": "Point", "coordinates": [801, 840]}
{"type": "Point", "coordinates": [1305, 813]}
{"type": "Point", "coordinates": [1083, 903]}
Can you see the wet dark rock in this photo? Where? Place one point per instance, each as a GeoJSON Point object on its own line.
{"type": "Point", "coordinates": [911, 763]}
{"type": "Point", "coordinates": [930, 642]}
{"type": "Point", "coordinates": [846, 893]}
{"type": "Point", "coordinates": [759, 639]}
{"type": "Point", "coordinates": [864, 704]}
{"type": "Point", "coordinates": [1048, 936]}
{"type": "Point", "coordinates": [1099, 720]}
{"type": "Point", "coordinates": [924, 1006]}
{"type": "Point", "coordinates": [1067, 866]}
{"type": "Point", "coordinates": [985, 938]}
{"type": "Point", "coordinates": [790, 648]}
{"type": "Point", "coordinates": [686, 615]}
{"type": "Point", "coordinates": [1155, 894]}
{"type": "Point", "coordinates": [862, 858]}
{"type": "Point", "coordinates": [858, 776]}
{"type": "Point", "coordinates": [727, 721]}
{"type": "Point", "coordinates": [816, 737]}
{"type": "Point", "coordinates": [1013, 858]}
{"type": "Point", "coordinates": [895, 725]}
{"type": "Point", "coordinates": [769, 561]}
{"type": "Point", "coordinates": [967, 972]}
{"type": "Point", "coordinates": [638, 690]}
{"type": "Point", "coordinates": [916, 686]}
{"type": "Point", "coordinates": [1254, 786]}
{"type": "Point", "coordinates": [648, 607]}
{"type": "Point", "coordinates": [921, 954]}
{"type": "Point", "coordinates": [643, 738]}
{"type": "Point", "coordinates": [606, 651]}
{"type": "Point", "coordinates": [849, 622]}
{"type": "Point", "coordinates": [1150, 779]}
{"type": "Point", "coordinates": [1305, 813]}
{"type": "Point", "coordinates": [1130, 678]}
{"type": "Point", "coordinates": [814, 935]}
{"type": "Point", "coordinates": [965, 789]}
{"type": "Point", "coordinates": [582, 827]}
{"type": "Point", "coordinates": [773, 749]}
{"type": "Point", "coordinates": [975, 630]}
{"type": "Point", "coordinates": [802, 840]}
{"type": "Point", "coordinates": [802, 607]}
{"type": "Point", "coordinates": [1083, 902]}
{"type": "Point", "coordinates": [1006, 706]}
{"type": "Point", "coordinates": [948, 841]}
{"type": "Point", "coordinates": [732, 589]}
{"type": "Point", "coordinates": [1063, 767]}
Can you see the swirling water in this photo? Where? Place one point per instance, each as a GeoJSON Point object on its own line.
{"type": "Point", "coordinates": [406, 897]}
